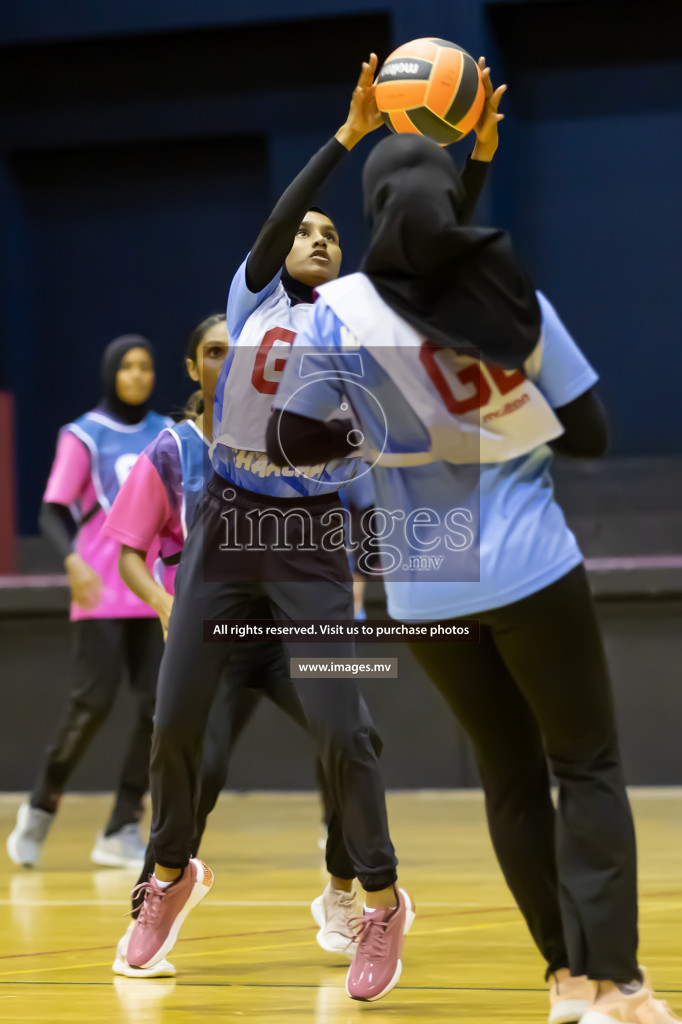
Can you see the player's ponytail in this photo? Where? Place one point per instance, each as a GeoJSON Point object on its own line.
{"type": "Point", "coordinates": [194, 405]}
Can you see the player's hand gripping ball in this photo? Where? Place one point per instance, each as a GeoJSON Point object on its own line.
{"type": "Point", "coordinates": [430, 87]}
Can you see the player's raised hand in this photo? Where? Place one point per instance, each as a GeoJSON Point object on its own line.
{"type": "Point", "coordinates": [486, 126]}
{"type": "Point", "coordinates": [363, 115]}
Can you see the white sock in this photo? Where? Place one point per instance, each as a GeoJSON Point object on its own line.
{"type": "Point", "coordinates": [162, 885]}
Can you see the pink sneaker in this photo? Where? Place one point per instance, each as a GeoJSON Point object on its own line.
{"type": "Point", "coordinates": [377, 966]}
{"type": "Point", "coordinates": [570, 998]}
{"type": "Point", "coordinates": [163, 912]}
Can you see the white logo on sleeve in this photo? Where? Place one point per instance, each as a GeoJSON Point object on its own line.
{"type": "Point", "coordinates": [123, 465]}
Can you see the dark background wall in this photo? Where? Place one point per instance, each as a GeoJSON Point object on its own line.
{"type": "Point", "coordinates": [423, 744]}
{"type": "Point", "coordinates": [143, 143]}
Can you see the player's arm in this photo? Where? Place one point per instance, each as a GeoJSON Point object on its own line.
{"type": "Point", "coordinates": [57, 527]}
{"type": "Point", "coordinates": [67, 483]}
{"type": "Point", "coordinates": [276, 238]}
{"type": "Point", "coordinates": [133, 571]}
{"type": "Point", "coordinates": [487, 140]}
{"type": "Point", "coordinates": [295, 439]}
{"type": "Point", "coordinates": [586, 427]}
{"type": "Point", "coordinates": [567, 380]}
{"type": "Point", "coordinates": [138, 515]}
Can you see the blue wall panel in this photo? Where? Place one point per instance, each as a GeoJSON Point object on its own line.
{"type": "Point", "coordinates": [143, 143]}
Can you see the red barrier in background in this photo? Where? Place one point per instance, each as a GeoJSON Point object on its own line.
{"type": "Point", "coordinates": [7, 485]}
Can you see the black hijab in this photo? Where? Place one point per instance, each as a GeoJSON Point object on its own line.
{"type": "Point", "coordinates": [296, 290]}
{"type": "Point", "coordinates": [110, 365]}
{"type": "Point", "coordinates": [460, 287]}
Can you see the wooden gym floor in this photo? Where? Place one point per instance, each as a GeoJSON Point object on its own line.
{"type": "Point", "coordinates": [249, 951]}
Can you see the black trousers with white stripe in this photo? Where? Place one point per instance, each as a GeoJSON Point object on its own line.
{"type": "Point", "coordinates": [537, 688]}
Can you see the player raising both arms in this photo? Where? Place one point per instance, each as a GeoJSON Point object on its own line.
{"type": "Point", "coordinates": [220, 577]}
{"type": "Point", "coordinates": [227, 583]}
{"type": "Point", "coordinates": [467, 446]}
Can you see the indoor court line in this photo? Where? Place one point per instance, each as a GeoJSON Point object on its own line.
{"type": "Point", "coordinates": [251, 949]}
{"type": "Point", "coordinates": [293, 985]}
{"type": "Point", "coordinates": [256, 843]}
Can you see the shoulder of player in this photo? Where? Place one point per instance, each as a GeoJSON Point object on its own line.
{"type": "Point", "coordinates": [84, 420]}
{"type": "Point", "coordinates": [159, 419]}
{"type": "Point", "coordinates": [549, 316]}
{"type": "Point", "coordinates": [553, 331]}
{"type": "Point", "coordinates": [355, 301]}
{"type": "Point", "coordinates": [165, 446]}
{"type": "Point", "coordinates": [349, 285]}
{"type": "Point", "coordinates": [96, 420]}
{"type": "Point", "coordinates": [273, 307]}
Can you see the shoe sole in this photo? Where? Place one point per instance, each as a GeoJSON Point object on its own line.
{"type": "Point", "coordinates": [594, 1017]}
{"type": "Point", "coordinates": [163, 969]}
{"type": "Point", "coordinates": [201, 888]}
{"type": "Point", "coordinates": [571, 1011]}
{"type": "Point", "coordinates": [410, 914]}
{"type": "Point", "coordinates": [380, 995]}
{"type": "Point", "coordinates": [110, 860]}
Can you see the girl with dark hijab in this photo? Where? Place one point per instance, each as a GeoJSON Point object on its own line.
{"type": "Point", "coordinates": [475, 378]}
{"type": "Point", "coordinates": [459, 286]}
{"type": "Point", "coordinates": [113, 631]}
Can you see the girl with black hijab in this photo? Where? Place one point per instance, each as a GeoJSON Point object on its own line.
{"type": "Point", "coordinates": [113, 631]}
{"type": "Point", "coordinates": [475, 377]}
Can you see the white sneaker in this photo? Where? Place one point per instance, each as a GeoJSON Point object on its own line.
{"type": "Point", "coordinates": [333, 912]}
{"type": "Point", "coordinates": [570, 998]}
{"type": "Point", "coordinates": [123, 849]}
{"type": "Point", "coordinates": [641, 1007]}
{"type": "Point", "coordinates": [25, 843]}
{"type": "Point", "coordinates": [164, 969]}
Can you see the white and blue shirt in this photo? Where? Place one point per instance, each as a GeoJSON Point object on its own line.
{"type": "Point", "coordinates": [261, 328]}
{"type": "Point", "coordinates": [458, 451]}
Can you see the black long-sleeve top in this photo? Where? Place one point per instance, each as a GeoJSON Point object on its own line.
{"type": "Point", "coordinates": [58, 527]}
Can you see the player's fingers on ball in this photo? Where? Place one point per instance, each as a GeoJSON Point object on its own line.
{"type": "Point", "coordinates": [497, 96]}
{"type": "Point", "coordinates": [487, 84]}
